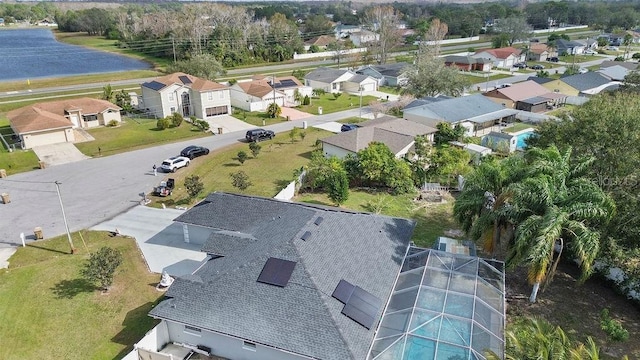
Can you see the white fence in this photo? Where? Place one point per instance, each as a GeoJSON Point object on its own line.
{"type": "Point", "coordinates": [327, 54]}
{"type": "Point", "coordinates": [450, 41]}
{"type": "Point", "coordinates": [577, 100]}
{"type": "Point", "coordinates": [290, 190]}
{"type": "Point", "coordinates": [546, 31]}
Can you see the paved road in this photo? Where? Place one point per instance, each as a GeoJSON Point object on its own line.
{"type": "Point", "coordinates": [97, 189]}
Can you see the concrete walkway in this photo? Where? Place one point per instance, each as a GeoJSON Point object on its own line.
{"type": "Point", "coordinates": [159, 238]}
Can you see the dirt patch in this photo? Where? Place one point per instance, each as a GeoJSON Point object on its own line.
{"type": "Point", "coordinates": [576, 308]}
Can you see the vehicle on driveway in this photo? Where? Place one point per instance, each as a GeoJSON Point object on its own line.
{"type": "Point", "coordinates": [590, 52]}
{"type": "Point", "coordinates": [174, 163]}
{"type": "Point", "coordinates": [536, 67]}
{"type": "Point", "coordinates": [259, 134]}
{"type": "Point", "coordinates": [194, 151]}
{"type": "Point", "coordinates": [553, 59]}
{"type": "Point", "coordinates": [583, 70]}
{"type": "Point", "coordinates": [522, 65]}
{"type": "Point", "coordinates": [348, 127]}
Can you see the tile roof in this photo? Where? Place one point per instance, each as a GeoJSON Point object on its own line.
{"type": "Point", "coordinates": [501, 53]}
{"type": "Point", "coordinates": [50, 115]}
{"type": "Point", "coordinates": [187, 80]}
{"type": "Point", "coordinates": [325, 75]}
{"type": "Point", "coordinates": [456, 109]}
{"type": "Point", "coordinates": [360, 138]}
{"type": "Point", "coordinates": [223, 295]}
{"type": "Point", "coordinates": [585, 81]}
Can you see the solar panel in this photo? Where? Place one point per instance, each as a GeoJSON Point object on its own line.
{"type": "Point", "coordinates": [288, 82]}
{"type": "Point", "coordinates": [319, 220]}
{"type": "Point", "coordinates": [154, 85]}
{"type": "Point", "coordinates": [365, 296]}
{"type": "Point", "coordinates": [343, 291]}
{"type": "Point", "coordinates": [362, 307]}
{"type": "Point", "coordinates": [277, 272]}
{"type": "Point", "coordinates": [185, 79]}
{"type": "Point", "coordinates": [358, 316]}
{"type": "Point", "coordinates": [306, 235]}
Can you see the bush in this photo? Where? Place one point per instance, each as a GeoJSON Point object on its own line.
{"type": "Point", "coordinates": [163, 123]}
{"type": "Point", "coordinates": [255, 149]}
{"type": "Point", "coordinates": [176, 119]}
{"type": "Point", "coordinates": [101, 266]}
{"type": "Point", "coordinates": [242, 157]}
{"type": "Point", "coordinates": [202, 125]}
{"type": "Point", "coordinates": [613, 328]}
{"type": "Point", "coordinates": [635, 56]}
{"type": "Point", "coordinates": [233, 82]}
{"type": "Point", "coordinates": [240, 180]}
{"type": "Point", "coordinates": [113, 123]}
{"type": "Point", "coordinates": [318, 92]}
{"type": "Point", "coordinates": [193, 185]}
{"type": "Point", "coordinates": [336, 95]}
{"type": "Point", "coordinates": [619, 58]}
{"type": "Point", "coordinates": [306, 100]}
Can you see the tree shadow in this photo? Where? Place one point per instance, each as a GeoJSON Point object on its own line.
{"type": "Point", "coordinates": [231, 164]}
{"type": "Point", "coordinates": [306, 155]}
{"type": "Point", "coordinates": [68, 289]}
{"type": "Point", "coordinates": [136, 324]}
{"type": "Point", "coordinates": [282, 183]}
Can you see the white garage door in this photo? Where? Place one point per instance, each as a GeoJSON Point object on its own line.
{"type": "Point", "coordinates": [45, 139]}
{"type": "Point", "coordinates": [368, 87]}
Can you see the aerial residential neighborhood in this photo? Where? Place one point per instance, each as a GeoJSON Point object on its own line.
{"type": "Point", "coordinates": [366, 181]}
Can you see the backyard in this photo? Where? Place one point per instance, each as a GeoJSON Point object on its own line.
{"type": "Point", "coordinates": [18, 160]}
{"type": "Point", "coordinates": [50, 312]}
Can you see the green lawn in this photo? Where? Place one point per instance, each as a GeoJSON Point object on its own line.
{"type": "Point", "coordinates": [135, 134]}
{"type": "Point", "coordinates": [518, 127]}
{"type": "Point", "coordinates": [481, 80]}
{"type": "Point", "coordinates": [330, 104]}
{"type": "Point", "coordinates": [432, 220]}
{"type": "Point", "coordinates": [390, 90]}
{"type": "Point", "coordinates": [256, 118]}
{"type": "Point", "coordinates": [18, 160]}
{"type": "Point", "coordinates": [578, 58]}
{"type": "Point", "coordinates": [49, 312]}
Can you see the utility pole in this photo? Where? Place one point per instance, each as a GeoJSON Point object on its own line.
{"type": "Point", "coordinates": [173, 45]}
{"type": "Point", "coordinates": [64, 217]}
{"type": "Point", "coordinates": [360, 101]}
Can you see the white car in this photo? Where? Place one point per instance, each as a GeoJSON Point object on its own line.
{"type": "Point", "coordinates": [583, 71]}
{"type": "Point", "coordinates": [590, 52]}
{"type": "Point", "coordinates": [174, 163]}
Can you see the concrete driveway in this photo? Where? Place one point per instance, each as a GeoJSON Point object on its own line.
{"type": "Point", "coordinates": [159, 239]}
{"type": "Point", "coordinates": [58, 154]}
{"type": "Point", "coordinates": [294, 114]}
{"type": "Point", "coordinates": [332, 126]}
{"type": "Point", "coordinates": [228, 124]}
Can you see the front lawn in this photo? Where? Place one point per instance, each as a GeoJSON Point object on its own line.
{"type": "Point", "coordinates": [50, 312]}
{"type": "Point", "coordinates": [330, 104]}
{"type": "Point", "coordinates": [257, 118]}
{"type": "Point", "coordinates": [135, 134]}
{"type": "Point", "coordinates": [570, 59]}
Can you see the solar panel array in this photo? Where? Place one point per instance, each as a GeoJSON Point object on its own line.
{"type": "Point", "coordinates": [285, 83]}
{"type": "Point", "coordinates": [359, 305]}
{"type": "Point", "coordinates": [185, 79]}
{"type": "Point", "coordinates": [154, 85]}
{"type": "Point", "coordinates": [276, 272]}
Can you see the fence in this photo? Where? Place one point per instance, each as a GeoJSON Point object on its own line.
{"type": "Point", "coordinates": [329, 54]}
{"type": "Point", "coordinates": [290, 190]}
{"type": "Point", "coordinates": [545, 31]}
{"type": "Point", "coordinates": [576, 100]}
{"type": "Point", "coordinates": [5, 143]}
{"type": "Point", "coordinates": [450, 41]}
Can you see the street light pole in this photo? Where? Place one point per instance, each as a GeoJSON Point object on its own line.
{"type": "Point", "coordinates": [64, 217]}
{"type": "Point", "coordinates": [360, 101]}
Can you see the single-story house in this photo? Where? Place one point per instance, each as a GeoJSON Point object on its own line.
{"type": "Point", "coordinates": [589, 44]}
{"type": "Point", "coordinates": [625, 64]}
{"type": "Point", "coordinates": [614, 73]}
{"type": "Point", "coordinates": [589, 83]}
{"type": "Point", "coordinates": [502, 57]}
{"type": "Point", "coordinates": [569, 47]}
{"type": "Point", "coordinates": [398, 134]}
{"type": "Point", "coordinates": [294, 281]}
{"type": "Point", "coordinates": [320, 41]}
{"type": "Point", "coordinates": [386, 74]}
{"type": "Point", "coordinates": [186, 95]}
{"type": "Point", "coordinates": [364, 37]}
{"type": "Point", "coordinates": [336, 80]}
{"type": "Point", "coordinates": [511, 95]}
{"type": "Point", "coordinates": [500, 142]}
{"type": "Point", "coordinates": [53, 122]}
{"type": "Point", "coordinates": [427, 100]}
{"type": "Point", "coordinates": [539, 52]}
{"type": "Point", "coordinates": [255, 95]}
{"type": "Point", "coordinates": [344, 31]}
{"type": "Point", "coordinates": [468, 63]}
{"type": "Point", "coordinates": [474, 113]}
{"type": "Point", "coordinates": [289, 85]}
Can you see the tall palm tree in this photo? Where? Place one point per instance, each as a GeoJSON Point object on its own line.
{"type": "Point", "coordinates": [556, 207]}
{"type": "Point", "coordinates": [480, 207]}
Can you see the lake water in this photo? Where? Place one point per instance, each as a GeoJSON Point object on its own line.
{"type": "Point", "coordinates": [35, 53]}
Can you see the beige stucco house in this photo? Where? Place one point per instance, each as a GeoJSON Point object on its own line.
{"type": "Point", "coordinates": [337, 80]}
{"type": "Point", "coordinates": [53, 122]}
{"type": "Point", "coordinates": [186, 95]}
{"type": "Point", "coordinates": [255, 95]}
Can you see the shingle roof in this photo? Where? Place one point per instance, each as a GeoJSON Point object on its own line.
{"type": "Point", "coordinates": [457, 109]}
{"type": "Point", "coordinates": [399, 126]}
{"type": "Point", "coordinates": [585, 81]}
{"type": "Point", "coordinates": [322, 40]}
{"type": "Point", "coordinates": [538, 48]}
{"type": "Point", "coordinates": [50, 115]}
{"type": "Point", "coordinates": [459, 59]}
{"type": "Point", "coordinates": [501, 53]}
{"type": "Point", "coordinates": [426, 100]}
{"type": "Point", "coordinates": [617, 73]}
{"type": "Point", "coordinates": [520, 91]}
{"type": "Point", "coordinates": [257, 88]}
{"type": "Point", "coordinates": [360, 138]}
{"type": "Point", "coordinates": [302, 317]}
{"type": "Point", "coordinates": [325, 75]}
{"type": "Point", "coordinates": [358, 78]}
{"type": "Point", "coordinates": [625, 64]}
{"type": "Point", "coordinates": [540, 80]}
{"type": "Point", "coordinates": [392, 70]}
{"type": "Point", "coordinates": [535, 100]}
{"type": "Point", "coordinates": [187, 80]}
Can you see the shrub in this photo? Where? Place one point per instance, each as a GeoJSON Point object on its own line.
{"type": "Point", "coordinates": [255, 149]}
{"type": "Point", "coordinates": [318, 92]}
{"type": "Point", "coordinates": [232, 82]}
{"type": "Point", "coordinates": [613, 328]}
{"type": "Point", "coordinates": [202, 125]}
{"type": "Point", "coordinates": [274, 110]}
{"type": "Point", "coordinates": [193, 185]}
{"type": "Point", "coordinates": [306, 100]}
{"type": "Point", "coordinates": [619, 58]}
{"type": "Point", "coordinates": [294, 133]}
{"type": "Point", "coordinates": [242, 157]}
{"type": "Point", "coordinates": [163, 123]}
{"type": "Point", "coordinates": [303, 134]}
{"type": "Point", "coordinates": [176, 119]}
{"type": "Point", "coordinates": [240, 180]}
{"type": "Point", "coordinates": [336, 95]}
{"type": "Point", "coordinates": [113, 123]}
{"type": "Point", "coordinates": [101, 266]}
{"type": "Point", "coordinates": [635, 56]}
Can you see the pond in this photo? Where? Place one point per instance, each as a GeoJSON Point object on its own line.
{"type": "Point", "coordinates": [35, 53]}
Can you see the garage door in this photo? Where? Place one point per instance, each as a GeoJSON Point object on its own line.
{"type": "Point", "coordinates": [45, 139]}
{"type": "Point", "coordinates": [369, 87]}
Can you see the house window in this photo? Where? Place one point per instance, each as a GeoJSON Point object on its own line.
{"type": "Point", "coordinates": [173, 110]}
{"type": "Point", "coordinates": [249, 346]}
{"type": "Point", "coordinates": [334, 86]}
{"type": "Point", "coordinates": [210, 95]}
{"type": "Point", "coordinates": [170, 96]}
{"type": "Point", "coordinates": [216, 110]}
{"type": "Point", "coordinates": [93, 117]}
{"type": "Point", "coordinates": [192, 330]}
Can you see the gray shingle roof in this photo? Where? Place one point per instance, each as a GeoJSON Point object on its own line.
{"type": "Point", "coordinates": [302, 317]}
{"type": "Point", "coordinates": [358, 78]}
{"type": "Point", "coordinates": [457, 109]}
{"type": "Point", "coordinates": [625, 64]}
{"type": "Point", "coordinates": [325, 75]}
{"type": "Point", "coordinates": [585, 81]}
{"type": "Point", "coordinates": [539, 80]}
{"type": "Point", "coordinates": [535, 100]}
{"type": "Point", "coordinates": [360, 138]}
{"type": "Point", "coordinates": [426, 100]}
{"type": "Point", "coordinates": [399, 126]}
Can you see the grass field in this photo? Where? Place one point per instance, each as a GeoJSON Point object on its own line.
{"type": "Point", "coordinates": [330, 104]}
{"type": "Point", "coordinates": [256, 118]}
{"type": "Point", "coordinates": [135, 134]}
{"type": "Point", "coordinates": [18, 160]}
{"type": "Point", "coordinates": [518, 127]}
{"type": "Point", "coordinates": [49, 312]}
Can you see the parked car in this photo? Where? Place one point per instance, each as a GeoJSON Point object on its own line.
{"type": "Point", "coordinates": [590, 52]}
{"type": "Point", "coordinates": [194, 151]}
{"type": "Point", "coordinates": [553, 59]}
{"type": "Point", "coordinates": [505, 85]}
{"type": "Point", "coordinates": [583, 70]}
{"type": "Point", "coordinates": [174, 163]}
{"type": "Point", "coordinates": [259, 134]}
{"type": "Point", "coordinates": [348, 127]}
{"type": "Point", "coordinates": [522, 65]}
{"type": "Point", "coordinates": [536, 67]}
{"type": "Point", "coordinates": [612, 48]}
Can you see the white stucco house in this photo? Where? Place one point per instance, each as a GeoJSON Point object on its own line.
{"type": "Point", "coordinates": [53, 122]}
{"type": "Point", "coordinates": [337, 80]}
{"type": "Point", "coordinates": [185, 94]}
{"type": "Point", "coordinates": [502, 57]}
{"type": "Point", "coordinates": [255, 95]}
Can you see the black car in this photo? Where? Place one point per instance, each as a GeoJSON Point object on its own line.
{"type": "Point", "coordinates": [259, 134]}
{"type": "Point", "coordinates": [194, 151]}
{"type": "Point", "coordinates": [537, 67]}
{"type": "Point", "coordinates": [553, 59]}
{"type": "Point", "coordinates": [521, 65]}
{"type": "Point", "coordinates": [348, 127]}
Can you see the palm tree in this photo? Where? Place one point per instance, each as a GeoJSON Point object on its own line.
{"type": "Point", "coordinates": [556, 204]}
{"type": "Point", "coordinates": [480, 208]}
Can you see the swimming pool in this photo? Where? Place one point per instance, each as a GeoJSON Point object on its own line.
{"type": "Point", "coordinates": [521, 139]}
